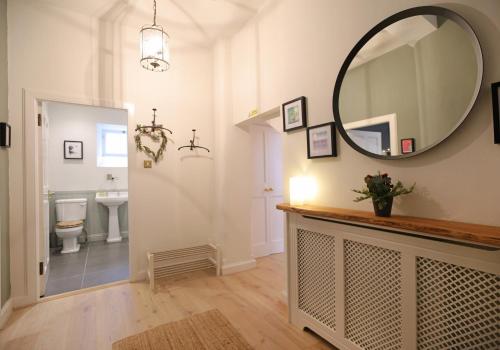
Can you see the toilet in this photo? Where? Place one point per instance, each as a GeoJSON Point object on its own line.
{"type": "Point", "coordinates": [70, 214]}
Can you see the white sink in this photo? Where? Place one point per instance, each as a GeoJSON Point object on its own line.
{"type": "Point", "coordinates": [112, 200]}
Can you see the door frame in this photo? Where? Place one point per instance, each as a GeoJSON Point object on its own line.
{"type": "Point", "coordinates": [388, 118]}
{"type": "Point", "coordinates": [30, 215]}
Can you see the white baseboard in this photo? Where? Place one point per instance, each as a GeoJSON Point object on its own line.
{"type": "Point", "coordinates": [238, 266]}
{"type": "Point", "coordinates": [227, 269]}
{"type": "Point", "coordinates": [95, 237]}
{"type": "Point", "coordinates": [277, 247]}
{"type": "Point", "coordinates": [22, 301]}
{"type": "Point", "coordinates": [139, 276]}
{"type": "Point", "coordinates": [5, 313]}
{"type": "Point", "coordinates": [284, 296]}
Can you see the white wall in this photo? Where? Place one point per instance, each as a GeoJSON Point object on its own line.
{"type": "Point", "coordinates": [232, 167]}
{"type": "Point", "coordinates": [300, 47]}
{"type": "Point", "coordinates": [88, 58]}
{"type": "Point", "coordinates": [79, 123]}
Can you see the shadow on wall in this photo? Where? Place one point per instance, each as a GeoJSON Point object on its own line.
{"type": "Point", "coordinates": [421, 200]}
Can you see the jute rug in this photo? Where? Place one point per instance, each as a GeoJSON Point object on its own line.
{"type": "Point", "coordinates": [209, 330]}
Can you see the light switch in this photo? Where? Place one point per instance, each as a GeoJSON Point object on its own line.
{"type": "Point", "coordinates": [148, 164]}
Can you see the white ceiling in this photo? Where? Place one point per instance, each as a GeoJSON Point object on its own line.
{"type": "Point", "coordinates": [198, 20]}
{"type": "Point", "coordinates": [404, 32]}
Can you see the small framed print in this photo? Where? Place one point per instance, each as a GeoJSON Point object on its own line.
{"type": "Point", "coordinates": [294, 114]}
{"type": "Point", "coordinates": [407, 146]}
{"type": "Point", "coordinates": [73, 150]}
{"type": "Point", "coordinates": [5, 135]}
{"type": "Point", "coordinates": [321, 141]}
{"type": "Point", "coordinates": [495, 95]}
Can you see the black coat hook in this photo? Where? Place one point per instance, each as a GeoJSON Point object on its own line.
{"type": "Point", "coordinates": [153, 125]}
{"type": "Point", "coordinates": [191, 145]}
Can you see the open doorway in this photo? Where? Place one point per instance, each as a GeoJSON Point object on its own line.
{"type": "Point", "coordinates": [83, 221]}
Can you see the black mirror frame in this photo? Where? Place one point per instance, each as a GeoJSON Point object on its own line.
{"type": "Point", "coordinates": [415, 11]}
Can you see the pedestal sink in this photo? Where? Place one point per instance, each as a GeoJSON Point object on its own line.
{"type": "Point", "coordinates": [112, 200]}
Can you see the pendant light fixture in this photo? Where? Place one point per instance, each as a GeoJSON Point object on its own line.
{"type": "Point", "coordinates": [155, 54]}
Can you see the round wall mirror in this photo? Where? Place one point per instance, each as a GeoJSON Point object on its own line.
{"type": "Point", "coordinates": [408, 83]}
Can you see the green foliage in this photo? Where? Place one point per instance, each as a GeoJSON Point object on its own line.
{"type": "Point", "coordinates": [156, 135]}
{"type": "Point", "coordinates": [379, 188]}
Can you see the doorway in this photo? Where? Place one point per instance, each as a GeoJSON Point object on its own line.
{"type": "Point", "coordinates": [83, 181]}
{"type": "Point", "coordinates": [267, 223]}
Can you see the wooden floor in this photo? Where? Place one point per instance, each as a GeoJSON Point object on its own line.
{"type": "Point", "coordinates": [251, 300]}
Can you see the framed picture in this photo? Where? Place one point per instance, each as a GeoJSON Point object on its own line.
{"type": "Point", "coordinates": [294, 114]}
{"type": "Point", "coordinates": [407, 146]}
{"type": "Point", "coordinates": [321, 141]}
{"type": "Point", "coordinates": [73, 150]}
{"type": "Point", "coordinates": [5, 135]}
{"type": "Point", "coordinates": [495, 95]}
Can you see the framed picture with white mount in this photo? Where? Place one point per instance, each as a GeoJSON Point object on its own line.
{"type": "Point", "coordinates": [294, 114]}
{"type": "Point", "coordinates": [73, 150]}
{"type": "Point", "coordinates": [495, 95]}
{"type": "Point", "coordinates": [321, 141]}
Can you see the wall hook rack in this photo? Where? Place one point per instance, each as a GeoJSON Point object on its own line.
{"type": "Point", "coordinates": [153, 125]}
{"type": "Point", "coordinates": [191, 145]}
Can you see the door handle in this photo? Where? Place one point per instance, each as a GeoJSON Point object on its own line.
{"type": "Point", "coordinates": [269, 189]}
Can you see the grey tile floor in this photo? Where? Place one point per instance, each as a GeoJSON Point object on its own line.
{"type": "Point", "coordinates": [96, 263]}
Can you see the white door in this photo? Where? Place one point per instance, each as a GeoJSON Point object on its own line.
{"type": "Point", "coordinates": [267, 223]}
{"type": "Point", "coordinates": [368, 140]}
{"type": "Point", "coordinates": [44, 228]}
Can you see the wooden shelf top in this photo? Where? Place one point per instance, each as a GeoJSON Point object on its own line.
{"type": "Point", "coordinates": [489, 235]}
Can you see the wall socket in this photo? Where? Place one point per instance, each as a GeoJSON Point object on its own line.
{"type": "Point", "coordinates": [148, 164]}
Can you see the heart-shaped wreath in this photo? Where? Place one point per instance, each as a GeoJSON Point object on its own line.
{"type": "Point", "coordinates": [155, 135]}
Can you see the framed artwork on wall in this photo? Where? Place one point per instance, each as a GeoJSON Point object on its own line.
{"type": "Point", "coordinates": [294, 114]}
{"type": "Point", "coordinates": [495, 95]}
{"type": "Point", "coordinates": [407, 146]}
{"type": "Point", "coordinates": [321, 141]}
{"type": "Point", "coordinates": [73, 150]}
{"type": "Point", "coordinates": [5, 135]}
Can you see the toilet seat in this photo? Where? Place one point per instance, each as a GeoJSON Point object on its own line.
{"type": "Point", "coordinates": [69, 224]}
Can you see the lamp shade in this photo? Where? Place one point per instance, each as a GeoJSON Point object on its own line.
{"type": "Point", "coordinates": [155, 54]}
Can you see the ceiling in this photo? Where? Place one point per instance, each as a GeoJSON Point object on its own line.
{"type": "Point", "coordinates": [195, 20]}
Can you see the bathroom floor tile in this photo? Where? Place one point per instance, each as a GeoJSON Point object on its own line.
{"type": "Point", "coordinates": [96, 263]}
{"type": "Point", "coordinates": [62, 285]}
{"type": "Point", "coordinates": [92, 279]}
{"type": "Point", "coordinates": [61, 270]}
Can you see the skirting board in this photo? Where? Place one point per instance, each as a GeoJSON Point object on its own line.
{"type": "Point", "coordinates": [227, 269]}
{"type": "Point", "coordinates": [5, 313]}
{"type": "Point", "coordinates": [139, 276]}
{"type": "Point", "coordinates": [238, 266]}
{"type": "Point", "coordinates": [94, 237]}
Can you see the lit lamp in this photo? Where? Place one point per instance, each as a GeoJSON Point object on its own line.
{"type": "Point", "coordinates": [303, 189]}
{"type": "Point", "coordinates": [155, 54]}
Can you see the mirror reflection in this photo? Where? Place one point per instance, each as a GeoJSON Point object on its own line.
{"type": "Point", "coordinates": [410, 85]}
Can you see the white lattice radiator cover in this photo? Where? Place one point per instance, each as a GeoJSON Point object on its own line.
{"type": "Point", "coordinates": [316, 276]}
{"type": "Point", "coordinates": [363, 289]}
{"type": "Point", "coordinates": [372, 296]}
{"type": "Point", "coordinates": [457, 307]}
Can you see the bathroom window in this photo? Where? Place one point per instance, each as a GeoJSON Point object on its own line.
{"type": "Point", "coordinates": [112, 146]}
